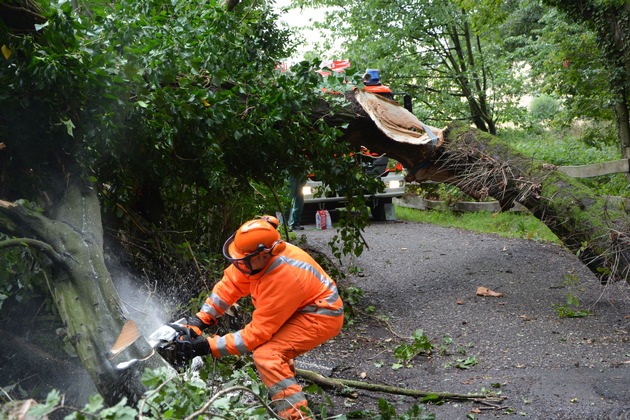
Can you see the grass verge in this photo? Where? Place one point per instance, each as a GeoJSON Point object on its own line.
{"type": "Point", "coordinates": [506, 224]}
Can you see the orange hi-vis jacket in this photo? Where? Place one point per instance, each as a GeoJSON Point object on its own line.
{"type": "Point", "coordinates": [292, 282]}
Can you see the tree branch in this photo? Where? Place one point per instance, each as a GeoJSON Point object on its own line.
{"type": "Point", "coordinates": [33, 243]}
{"type": "Point", "coordinates": [341, 385]}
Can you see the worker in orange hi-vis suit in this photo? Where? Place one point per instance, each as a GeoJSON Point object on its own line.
{"type": "Point", "coordinates": [296, 308]}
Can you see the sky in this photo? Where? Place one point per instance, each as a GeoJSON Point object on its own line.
{"type": "Point", "coordinates": [299, 18]}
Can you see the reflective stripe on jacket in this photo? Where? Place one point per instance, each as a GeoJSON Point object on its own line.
{"type": "Point", "coordinates": [292, 282]}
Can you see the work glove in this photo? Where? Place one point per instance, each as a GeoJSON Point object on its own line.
{"type": "Point", "coordinates": [183, 342]}
{"type": "Point", "coordinates": [185, 331]}
{"type": "Point", "coordinates": [200, 346]}
{"type": "Point", "coordinates": [195, 324]}
{"type": "Point", "coordinates": [189, 343]}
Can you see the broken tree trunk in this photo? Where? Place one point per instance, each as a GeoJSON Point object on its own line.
{"type": "Point", "coordinates": [82, 288]}
{"type": "Point", "coordinates": [593, 228]}
{"type": "Point", "coordinates": [482, 166]}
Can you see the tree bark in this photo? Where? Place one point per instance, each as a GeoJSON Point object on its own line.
{"type": "Point", "coordinates": [82, 288]}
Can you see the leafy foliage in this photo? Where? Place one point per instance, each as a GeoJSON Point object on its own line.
{"type": "Point", "coordinates": [420, 344]}
{"type": "Point", "coordinates": [446, 54]}
{"type": "Point", "coordinates": [233, 389]}
{"type": "Point", "coordinates": [224, 389]}
{"type": "Point", "coordinates": [544, 107]}
{"type": "Point", "coordinates": [95, 408]}
{"type": "Point", "coordinates": [387, 411]}
{"type": "Point", "coordinates": [601, 58]}
{"type": "Point", "coordinates": [464, 363]}
{"type": "Point", "coordinates": [566, 61]}
{"type": "Point", "coordinates": [570, 308]}
{"type": "Point", "coordinates": [177, 113]}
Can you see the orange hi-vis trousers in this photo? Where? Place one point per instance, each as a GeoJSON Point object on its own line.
{"type": "Point", "coordinates": [274, 359]}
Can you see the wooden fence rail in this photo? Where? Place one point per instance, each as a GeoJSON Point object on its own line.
{"type": "Point", "coordinates": [597, 169]}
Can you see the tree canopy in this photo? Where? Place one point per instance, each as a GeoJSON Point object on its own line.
{"type": "Point", "coordinates": [610, 21]}
{"type": "Point", "coordinates": [174, 110]}
{"type": "Point", "coordinates": [448, 55]}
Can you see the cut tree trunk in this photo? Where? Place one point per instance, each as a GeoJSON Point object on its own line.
{"type": "Point", "coordinates": [482, 166]}
{"type": "Point", "coordinates": [82, 288]}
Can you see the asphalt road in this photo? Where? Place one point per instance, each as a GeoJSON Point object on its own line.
{"type": "Point", "coordinates": [419, 276]}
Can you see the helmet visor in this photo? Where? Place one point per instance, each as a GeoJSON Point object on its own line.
{"type": "Point", "coordinates": [242, 262]}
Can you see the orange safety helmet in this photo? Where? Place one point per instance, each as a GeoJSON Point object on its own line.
{"type": "Point", "coordinates": [271, 219]}
{"type": "Point", "coordinates": [253, 238]}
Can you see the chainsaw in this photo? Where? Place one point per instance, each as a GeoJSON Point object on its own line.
{"type": "Point", "coordinates": [172, 343]}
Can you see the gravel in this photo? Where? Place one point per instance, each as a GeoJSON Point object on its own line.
{"type": "Point", "coordinates": [422, 277]}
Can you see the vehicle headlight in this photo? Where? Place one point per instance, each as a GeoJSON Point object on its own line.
{"type": "Point", "coordinates": [308, 190]}
{"type": "Point", "coordinates": [394, 184]}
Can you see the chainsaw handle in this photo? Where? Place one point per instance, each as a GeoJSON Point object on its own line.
{"type": "Point", "coordinates": [183, 343]}
{"type": "Point", "coordinates": [184, 330]}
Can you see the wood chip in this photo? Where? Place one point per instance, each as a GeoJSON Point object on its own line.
{"type": "Point", "coordinates": [485, 292]}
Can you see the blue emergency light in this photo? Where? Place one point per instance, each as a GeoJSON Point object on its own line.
{"type": "Point", "coordinates": [371, 77]}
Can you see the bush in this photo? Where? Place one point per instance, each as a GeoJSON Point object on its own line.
{"type": "Point", "coordinates": [598, 134]}
{"type": "Point", "coordinates": [544, 108]}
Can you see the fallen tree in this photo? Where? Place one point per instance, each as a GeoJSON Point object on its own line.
{"type": "Point", "coordinates": [483, 166]}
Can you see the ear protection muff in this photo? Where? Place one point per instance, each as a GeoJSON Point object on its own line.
{"type": "Point", "coordinates": [273, 221]}
{"type": "Point", "coordinates": [278, 247]}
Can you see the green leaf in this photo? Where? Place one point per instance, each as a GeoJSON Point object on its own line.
{"type": "Point", "coordinates": [431, 398]}
{"type": "Point", "coordinates": [95, 403]}
{"type": "Point", "coordinates": [69, 127]}
{"type": "Point", "coordinates": [119, 412]}
{"type": "Point", "coordinates": [42, 410]}
{"type": "Point", "coordinates": [466, 363]}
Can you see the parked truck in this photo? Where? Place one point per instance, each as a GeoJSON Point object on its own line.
{"type": "Point", "coordinates": [318, 196]}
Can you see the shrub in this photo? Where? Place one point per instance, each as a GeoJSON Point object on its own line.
{"type": "Point", "coordinates": [596, 133]}
{"type": "Point", "coordinates": [544, 108]}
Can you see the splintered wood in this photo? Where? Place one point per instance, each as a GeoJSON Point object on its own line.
{"type": "Point", "coordinates": [128, 335]}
